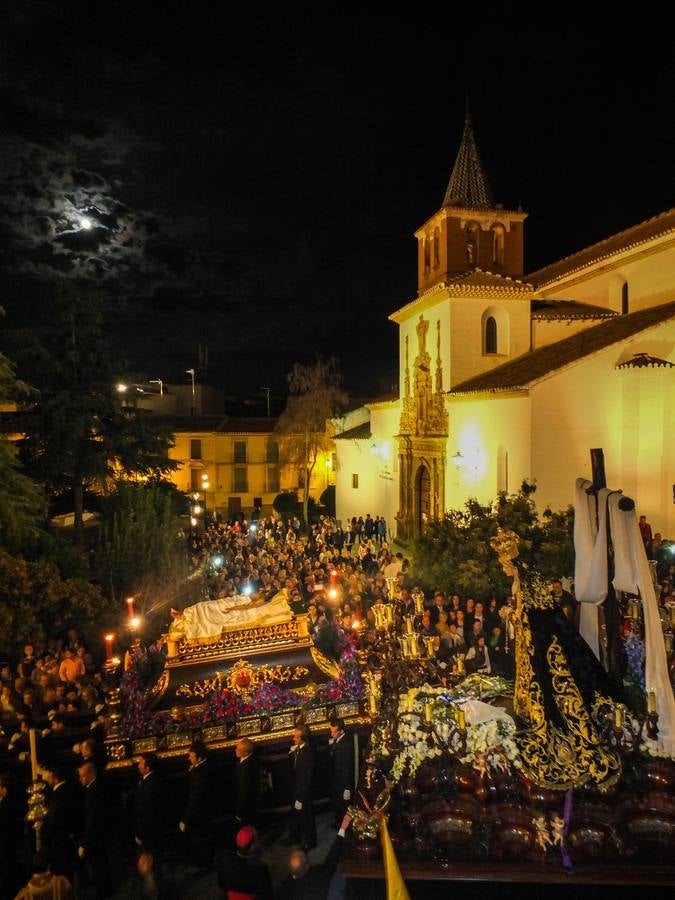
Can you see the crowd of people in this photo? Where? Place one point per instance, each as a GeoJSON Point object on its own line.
{"type": "Point", "coordinates": [339, 576]}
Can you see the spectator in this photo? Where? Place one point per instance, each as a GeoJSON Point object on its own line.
{"type": "Point", "coordinates": [241, 873]}
{"type": "Point", "coordinates": [564, 600]}
{"type": "Point", "coordinates": [28, 663]}
{"type": "Point", "coordinates": [307, 882]}
{"type": "Point", "coordinates": [477, 658]}
{"type": "Point", "coordinates": [44, 883]}
{"type": "Point", "coordinates": [68, 669]}
{"type": "Point", "coordinates": [645, 532]}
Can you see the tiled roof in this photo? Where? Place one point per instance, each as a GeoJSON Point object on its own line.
{"type": "Point", "coordinates": [218, 424]}
{"type": "Point", "coordinates": [624, 240]}
{"type": "Point", "coordinates": [482, 278]}
{"type": "Point", "coordinates": [360, 432]}
{"type": "Point", "coordinates": [530, 367]}
{"type": "Point", "coordinates": [468, 185]}
{"type": "Point", "coordinates": [569, 309]}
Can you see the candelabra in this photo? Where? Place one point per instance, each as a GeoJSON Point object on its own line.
{"type": "Point", "coordinates": [113, 700]}
{"type": "Point", "coordinates": [37, 809]}
{"type": "Point", "coordinates": [652, 719]}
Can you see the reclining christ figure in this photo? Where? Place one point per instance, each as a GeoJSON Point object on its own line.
{"type": "Point", "coordinates": [209, 618]}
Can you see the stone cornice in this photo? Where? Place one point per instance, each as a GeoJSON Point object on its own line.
{"type": "Point", "coordinates": [490, 286]}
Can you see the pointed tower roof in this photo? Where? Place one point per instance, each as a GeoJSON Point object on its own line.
{"type": "Point", "coordinates": [468, 186]}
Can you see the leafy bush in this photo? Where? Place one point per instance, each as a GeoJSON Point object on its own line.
{"type": "Point", "coordinates": [327, 500]}
{"type": "Point", "coordinates": [454, 554]}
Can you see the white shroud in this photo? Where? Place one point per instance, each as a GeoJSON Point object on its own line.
{"type": "Point", "coordinates": [207, 619]}
{"type": "Point", "coordinates": [631, 575]}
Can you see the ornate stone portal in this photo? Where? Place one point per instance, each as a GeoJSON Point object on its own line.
{"type": "Point", "coordinates": [422, 439]}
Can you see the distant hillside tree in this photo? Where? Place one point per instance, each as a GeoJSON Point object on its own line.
{"type": "Point", "coordinates": [286, 504]}
{"type": "Point", "coordinates": [37, 603]}
{"type": "Point", "coordinates": [454, 553]}
{"type": "Point", "coordinates": [315, 397]}
{"type": "Point", "coordinates": [78, 433]}
{"type": "Point", "coordinates": [142, 550]}
{"type": "Point", "coordinates": [22, 506]}
{"type": "Point", "coordinates": [327, 499]}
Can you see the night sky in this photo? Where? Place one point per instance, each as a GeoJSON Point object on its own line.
{"type": "Point", "coordinates": [253, 180]}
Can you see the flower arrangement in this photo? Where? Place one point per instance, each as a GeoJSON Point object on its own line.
{"type": "Point", "coordinates": [635, 657]}
{"type": "Point", "coordinates": [490, 745]}
{"type": "Point", "coordinates": [491, 748]}
{"type": "Point", "coordinates": [146, 665]}
{"type": "Point", "coordinates": [223, 705]}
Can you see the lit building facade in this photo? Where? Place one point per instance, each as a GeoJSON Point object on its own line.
{"type": "Point", "coordinates": [234, 464]}
{"type": "Point", "coordinates": [507, 377]}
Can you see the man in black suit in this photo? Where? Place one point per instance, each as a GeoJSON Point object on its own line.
{"type": "Point", "coordinates": [148, 822]}
{"type": "Point", "coordinates": [341, 751]}
{"type": "Point", "coordinates": [307, 882]}
{"type": "Point", "coordinates": [11, 832]}
{"type": "Point", "coordinates": [241, 871]}
{"type": "Point", "coordinates": [147, 806]}
{"type": "Point", "coordinates": [196, 820]}
{"type": "Point", "coordinates": [58, 826]}
{"type": "Point", "coordinates": [303, 826]}
{"type": "Point", "coordinates": [92, 842]}
{"type": "Point", "coordinates": [247, 782]}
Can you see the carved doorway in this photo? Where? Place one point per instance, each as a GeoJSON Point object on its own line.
{"type": "Point", "coordinates": [423, 497]}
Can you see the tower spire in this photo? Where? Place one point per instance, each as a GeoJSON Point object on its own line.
{"type": "Point", "coordinates": [468, 186]}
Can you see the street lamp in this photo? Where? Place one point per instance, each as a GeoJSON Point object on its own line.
{"type": "Point", "coordinates": [205, 487]}
{"type": "Point", "coordinates": [267, 392]}
{"type": "Point", "coordinates": [160, 383]}
{"type": "Point", "coordinates": [191, 373]}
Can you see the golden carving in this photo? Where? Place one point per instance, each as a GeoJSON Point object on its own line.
{"type": "Point", "coordinates": [282, 720]}
{"type": "Point", "coordinates": [249, 726]}
{"type": "Point", "coordinates": [241, 639]}
{"type": "Point", "coordinates": [214, 733]}
{"type": "Point", "coordinates": [328, 666]}
{"type": "Point", "coordinates": [243, 679]}
{"type": "Point", "coordinates": [178, 739]}
{"type": "Point", "coordinates": [315, 714]}
{"type": "Point", "coordinates": [117, 751]}
{"type": "Point", "coordinates": [158, 688]}
{"type": "Point", "coordinates": [145, 745]}
{"type": "Point", "coordinates": [424, 413]}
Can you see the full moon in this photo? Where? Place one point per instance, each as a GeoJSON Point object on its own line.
{"type": "Point", "coordinates": [85, 223]}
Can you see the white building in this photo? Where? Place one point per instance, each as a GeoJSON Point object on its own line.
{"type": "Point", "coordinates": [506, 377]}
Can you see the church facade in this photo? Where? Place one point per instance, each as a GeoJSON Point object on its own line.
{"type": "Point", "coordinates": [506, 377]}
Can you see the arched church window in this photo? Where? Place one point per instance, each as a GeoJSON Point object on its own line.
{"type": "Point", "coordinates": [624, 299]}
{"type": "Point", "coordinates": [490, 335]}
{"type": "Point", "coordinates": [498, 245]}
{"type": "Point", "coordinates": [437, 248]}
{"type": "Point", "coordinates": [427, 254]}
{"type": "Point", "coordinates": [472, 232]}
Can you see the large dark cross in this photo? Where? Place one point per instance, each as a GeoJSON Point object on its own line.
{"type": "Point", "coordinates": [611, 648]}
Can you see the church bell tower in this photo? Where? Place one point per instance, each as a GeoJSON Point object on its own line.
{"type": "Point", "coordinates": [469, 231]}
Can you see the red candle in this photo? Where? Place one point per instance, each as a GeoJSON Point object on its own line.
{"type": "Point", "coordinates": [108, 646]}
{"type": "Point", "coordinates": [130, 605]}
